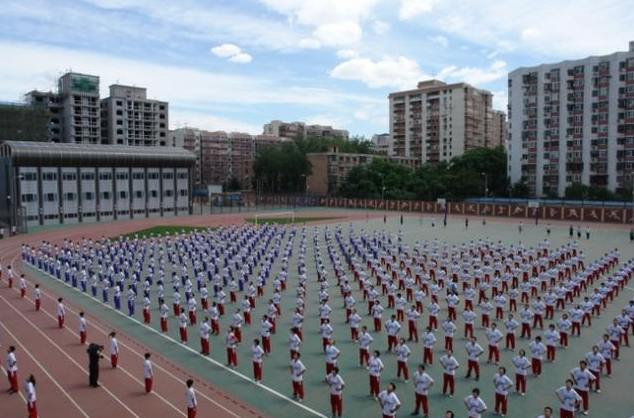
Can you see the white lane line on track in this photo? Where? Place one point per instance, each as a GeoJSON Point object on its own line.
{"type": "Point", "coordinates": [211, 360]}
{"type": "Point", "coordinates": [67, 356]}
{"type": "Point", "coordinates": [28, 353]}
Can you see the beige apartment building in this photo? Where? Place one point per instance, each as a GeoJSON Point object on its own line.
{"type": "Point", "coordinates": [438, 121]}
{"type": "Point", "coordinates": [500, 130]}
{"type": "Point", "coordinates": [128, 117]}
{"type": "Point", "coordinates": [292, 130]}
{"type": "Point", "coordinates": [329, 169]}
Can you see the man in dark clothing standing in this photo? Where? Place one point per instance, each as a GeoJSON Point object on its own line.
{"type": "Point", "coordinates": [94, 355]}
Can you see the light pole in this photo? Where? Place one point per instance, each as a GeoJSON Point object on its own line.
{"type": "Point", "coordinates": [486, 186]}
{"type": "Point", "coordinates": [510, 193]}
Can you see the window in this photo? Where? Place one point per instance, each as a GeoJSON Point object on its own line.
{"type": "Point", "coordinates": [123, 194]}
{"type": "Point", "coordinates": [168, 193]}
{"type": "Point", "coordinates": [153, 193]}
{"type": "Point", "coordinates": [29, 197]}
{"type": "Point", "coordinates": [122, 176]}
{"type": "Point", "coordinates": [87, 176]}
{"type": "Point", "coordinates": [154, 175]}
{"type": "Point", "coordinates": [168, 175]}
{"type": "Point", "coordinates": [49, 176]}
{"type": "Point", "coordinates": [50, 197]}
{"type": "Point", "coordinates": [106, 195]}
{"type": "Point", "coordinates": [138, 194]}
{"type": "Point", "coordinates": [70, 197]}
{"type": "Point", "coordinates": [105, 176]}
{"type": "Point", "coordinates": [89, 196]}
{"type": "Point", "coordinates": [70, 176]}
{"type": "Point", "coordinates": [182, 176]}
{"type": "Point", "coordinates": [31, 176]}
{"type": "Point", "coordinates": [138, 176]}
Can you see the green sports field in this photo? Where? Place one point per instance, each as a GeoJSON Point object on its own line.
{"type": "Point", "coordinates": [615, 401]}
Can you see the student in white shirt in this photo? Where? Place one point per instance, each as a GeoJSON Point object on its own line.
{"type": "Point", "coordinates": [538, 349]}
{"type": "Point", "coordinates": [502, 384]}
{"type": "Point", "coordinates": [402, 355]}
{"type": "Point", "coordinates": [257, 353]}
{"type": "Point", "coordinates": [449, 364]}
{"type": "Point", "coordinates": [422, 383]}
{"type": "Point", "coordinates": [82, 328]}
{"type": "Point", "coordinates": [569, 399]}
{"type": "Point", "coordinates": [114, 350]}
{"type": "Point", "coordinates": [148, 373]}
{"type": "Point", "coordinates": [190, 396]}
{"type": "Point", "coordinates": [364, 341]}
{"type": "Point", "coordinates": [375, 366]}
{"type": "Point", "coordinates": [474, 350]}
{"type": "Point", "coordinates": [389, 401]}
{"type": "Point", "coordinates": [582, 376]}
{"type": "Point", "coordinates": [521, 364]}
{"type": "Point", "coordinates": [61, 313]}
{"type": "Point", "coordinates": [474, 404]}
{"type": "Point", "coordinates": [31, 398]}
{"type": "Point", "coordinates": [297, 372]}
{"type": "Point", "coordinates": [429, 339]}
{"type": "Point", "coordinates": [336, 383]}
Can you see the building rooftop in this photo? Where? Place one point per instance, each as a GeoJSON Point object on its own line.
{"type": "Point", "coordinates": [88, 155]}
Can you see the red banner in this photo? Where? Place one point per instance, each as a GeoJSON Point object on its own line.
{"type": "Point", "coordinates": [572, 213]}
{"type": "Point", "coordinates": [471, 208]}
{"type": "Point", "coordinates": [518, 211]}
{"type": "Point", "coordinates": [592, 214]}
{"type": "Point", "coordinates": [501, 210]}
{"type": "Point", "coordinates": [552, 212]}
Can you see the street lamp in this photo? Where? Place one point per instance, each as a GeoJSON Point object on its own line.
{"type": "Point", "coordinates": [486, 186]}
{"type": "Point", "coordinates": [510, 193]}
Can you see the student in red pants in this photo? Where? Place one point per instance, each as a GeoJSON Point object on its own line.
{"type": "Point", "coordinates": [257, 353]}
{"type": "Point", "coordinates": [422, 383]}
{"type": "Point", "coordinates": [29, 394]}
{"type": "Point", "coordinates": [297, 371]}
{"type": "Point", "coordinates": [148, 372]}
{"type": "Point", "coordinates": [502, 384]}
{"type": "Point", "coordinates": [336, 383]}
{"type": "Point", "coordinates": [191, 399]}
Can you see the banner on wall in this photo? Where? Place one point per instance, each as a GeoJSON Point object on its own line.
{"type": "Point", "coordinates": [592, 214]}
{"type": "Point", "coordinates": [553, 212]}
{"type": "Point", "coordinates": [501, 210]}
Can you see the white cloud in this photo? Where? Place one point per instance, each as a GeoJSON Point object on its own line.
{"type": "Point", "coordinates": [334, 22]}
{"type": "Point", "coordinates": [233, 52]}
{"type": "Point", "coordinates": [183, 87]}
{"type": "Point", "coordinates": [379, 27]}
{"type": "Point", "coordinates": [412, 8]}
{"type": "Point", "coordinates": [400, 72]}
{"type": "Point", "coordinates": [347, 53]}
{"type": "Point", "coordinates": [241, 58]}
{"type": "Point", "coordinates": [310, 43]}
{"type": "Point", "coordinates": [226, 50]}
{"type": "Point", "coordinates": [475, 75]}
{"type": "Point", "coordinates": [360, 115]}
{"type": "Point", "coordinates": [320, 12]}
{"type": "Point", "coordinates": [560, 29]}
{"type": "Point", "coordinates": [338, 34]}
{"type": "Point", "coordinates": [439, 39]}
{"type": "Point", "coordinates": [181, 119]}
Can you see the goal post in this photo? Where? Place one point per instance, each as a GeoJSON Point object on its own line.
{"type": "Point", "coordinates": [282, 216]}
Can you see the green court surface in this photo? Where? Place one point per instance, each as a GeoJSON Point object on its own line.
{"type": "Point", "coordinates": [615, 401]}
{"type": "Point", "coordinates": [158, 231]}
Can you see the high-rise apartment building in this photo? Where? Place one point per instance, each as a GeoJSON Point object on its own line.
{"type": "Point", "coordinates": [79, 99]}
{"type": "Point", "coordinates": [438, 121]}
{"type": "Point", "coordinates": [51, 104]}
{"type": "Point", "coordinates": [128, 117]}
{"type": "Point", "coordinates": [500, 133]}
{"type": "Point", "coordinates": [573, 122]}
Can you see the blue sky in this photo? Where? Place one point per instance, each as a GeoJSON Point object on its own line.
{"type": "Point", "coordinates": [235, 65]}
